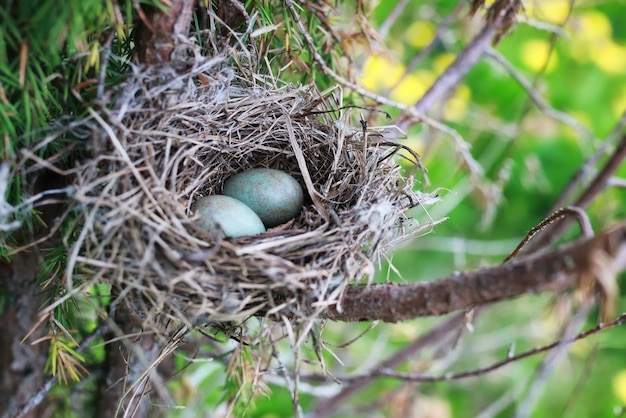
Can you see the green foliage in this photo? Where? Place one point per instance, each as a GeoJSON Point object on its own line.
{"type": "Point", "coordinates": [284, 51]}
{"type": "Point", "coordinates": [50, 54]}
{"type": "Point", "coordinates": [38, 41]}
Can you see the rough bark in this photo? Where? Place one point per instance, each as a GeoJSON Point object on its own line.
{"type": "Point", "coordinates": [160, 30]}
{"type": "Point", "coordinates": [22, 364]}
{"type": "Point", "coordinates": [583, 264]}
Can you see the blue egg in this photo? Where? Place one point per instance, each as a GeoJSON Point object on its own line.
{"type": "Point", "coordinates": [230, 215]}
{"type": "Point", "coordinates": [273, 194]}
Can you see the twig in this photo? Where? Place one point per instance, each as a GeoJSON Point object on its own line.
{"type": "Point", "coordinates": [557, 270]}
{"type": "Point", "coordinates": [617, 182]}
{"type": "Point", "coordinates": [329, 406]}
{"type": "Point", "coordinates": [104, 62]}
{"type": "Point", "coordinates": [583, 379]}
{"type": "Point", "coordinates": [541, 103]}
{"type": "Point", "coordinates": [441, 28]}
{"type": "Point", "coordinates": [317, 57]}
{"type": "Point", "coordinates": [505, 400]}
{"type": "Point", "coordinates": [586, 168]}
{"type": "Point", "coordinates": [597, 185]}
{"type": "Point", "coordinates": [391, 19]}
{"type": "Point", "coordinates": [556, 30]}
{"type": "Point", "coordinates": [8, 212]}
{"type": "Point", "coordinates": [579, 214]}
{"type": "Point", "coordinates": [549, 362]}
{"type": "Point", "coordinates": [412, 112]}
{"type": "Point", "coordinates": [455, 72]}
{"type": "Point", "coordinates": [498, 18]}
{"type": "Point", "coordinates": [411, 377]}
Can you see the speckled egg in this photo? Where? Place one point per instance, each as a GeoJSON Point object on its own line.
{"type": "Point", "coordinates": [233, 217]}
{"type": "Point", "coordinates": [273, 194]}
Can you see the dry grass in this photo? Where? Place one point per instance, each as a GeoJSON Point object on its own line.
{"type": "Point", "coordinates": [171, 139]}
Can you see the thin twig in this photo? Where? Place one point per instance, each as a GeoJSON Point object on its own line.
{"type": "Point", "coordinates": [391, 19]}
{"type": "Point", "coordinates": [597, 185]}
{"type": "Point", "coordinates": [441, 28]}
{"type": "Point", "coordinates": [319, 60]}
{"type": "Point", "coordinates": [539, 101]}
{"type": "Point", "coordinates": [411, 377]}
{"type": "Point", "coordinates": [579, 214]}
{"type": "Point", "coordinates": [464, 62]}
{"type": "Point", "coordinates": [545, 368]}
{"type": "Point", "coordinates": [588, 166]}
{"type": "Point", "coordinates": [449, 79]}
{"type": "Point", "coordinates": [583, 379]}
{"type": "Point", "coordinates": [329, 406]}
{"type": "Point", "coordinates": [104, 63]}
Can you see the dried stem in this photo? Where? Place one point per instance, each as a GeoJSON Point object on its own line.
{"type": "Point", "coordinates": [579, 214]}
{"type": "Point", "coordinates": [597, 185]}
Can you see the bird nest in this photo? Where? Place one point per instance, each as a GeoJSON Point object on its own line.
{"type": "Point", "coordinates": [171, 139]}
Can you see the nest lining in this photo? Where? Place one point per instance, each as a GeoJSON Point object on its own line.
{"type": "Point", "coordinates": [172, 139]}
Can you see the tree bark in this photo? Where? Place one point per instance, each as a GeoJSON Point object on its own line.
{"type": "Point", "coordinates": [584, 264]}
{"type": "Point", "coordinates": [22, 364]}
{"type": "Point", "coordinates": [159, 31]}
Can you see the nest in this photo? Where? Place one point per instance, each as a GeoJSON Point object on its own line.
{"type": "Point", "coordinates": [171, 139]}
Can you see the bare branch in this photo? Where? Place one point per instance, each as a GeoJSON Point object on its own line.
{"type": "Point", "coordinates": [397, 11]}
{"type": "Point", "coordinates": [424, 52]}
{"type": "Point", "coordinates": [597, 185]}
{"type": "Point", "coordinates": [587, 168]}
{"type": "Point", "coordinates": [560, 269]}
{"type": "Point", "coordinates": [329, 406]}
{"type": "Point", "coordinates": [537, 99]}
{"type": "Point", "coordinates": [499, 18]}
{"type": "Point", "coordinates": [411, 377]}
{"type": "Point", "coordinates": [549, 363]}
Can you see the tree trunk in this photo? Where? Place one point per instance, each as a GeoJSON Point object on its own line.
{"type": "Point", "coordinates": [22, 363]}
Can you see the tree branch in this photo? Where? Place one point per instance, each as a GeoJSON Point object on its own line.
{"type": "Point", "coordinates": [160, 30]}
{"type": "Point", "coordinates": [500, 17]}
{"type": "Point", "coordinates": [597, 185]}
{"type": "Point", "coordinates": [328, 407]}
{"type": "Point", "coordinates": [415, 377]}
{"type": "Point", "coordinates": [569, 266]}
